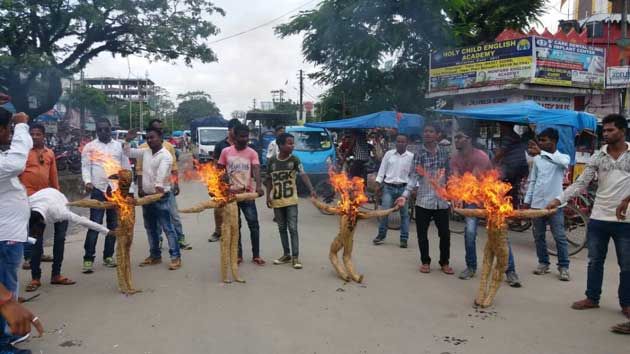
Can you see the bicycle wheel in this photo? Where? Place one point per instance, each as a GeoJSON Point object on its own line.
{"type": "Point", "coordinates": [325, 192]}
{"type": "Point", "coordinates": [457, 223]}
{"type": "Point", "coordinates": [520, 225]}
{"type": "Point", "coordinates": [575, 228]}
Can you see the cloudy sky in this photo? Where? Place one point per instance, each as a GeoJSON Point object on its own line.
{"type": "Point", "coordinates": [249, 66]}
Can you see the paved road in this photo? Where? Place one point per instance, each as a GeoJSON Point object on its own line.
{"type": "Point", "coordinates": [281, 310]}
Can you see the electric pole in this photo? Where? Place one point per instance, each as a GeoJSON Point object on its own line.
{"type": "Point", "coordinates": [301, 95]}
{"type": "Point", "coordinates": [624, 36]}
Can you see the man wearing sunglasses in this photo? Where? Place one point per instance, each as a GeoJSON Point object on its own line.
{"type": "Point", "coordinates": [40, 173]}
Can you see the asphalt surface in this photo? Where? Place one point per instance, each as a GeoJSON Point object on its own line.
{"type": "Point", "coordinates": [282, 310]}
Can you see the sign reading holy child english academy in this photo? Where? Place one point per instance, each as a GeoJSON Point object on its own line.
{"type": "Point", "coordinates": [532, 60]}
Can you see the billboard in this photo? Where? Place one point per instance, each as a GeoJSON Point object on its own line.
{"type": "Point", "coordinates": [561, 63]}
{"type": "Point", "coordinates": [482, 65]}
{"type": "Point", "coordinates": [532, 60]}
{"type": "Point", "coordinates": [618, 77]}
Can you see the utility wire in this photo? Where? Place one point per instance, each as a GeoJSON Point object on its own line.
{"type": "Point", "coordinates": [263, 24]}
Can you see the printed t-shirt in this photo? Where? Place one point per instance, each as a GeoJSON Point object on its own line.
{"type": "Point", "coordinates": [283, 174]}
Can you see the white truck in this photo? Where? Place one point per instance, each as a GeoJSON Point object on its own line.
{"type": "Point", "coordinates": [206, 134]}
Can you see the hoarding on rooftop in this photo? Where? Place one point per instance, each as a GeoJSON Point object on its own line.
{"type": "Point", "coordinates": [531, 60]}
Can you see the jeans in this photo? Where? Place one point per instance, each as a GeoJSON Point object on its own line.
{"type": "Point", "coordinates": [423, 219]}
{"type": "Point", "coordinates": [287, 218]}
{"type": "Point", "coordinates": [58, 249]}
{"type": "Point", "coordinates": [28, 251]}
{"type": "Point", "coordinates": [390, 194]}
{"type": "Point", "coordinates": [96, 215]}
{"type": "Point", "coordinates": [599, 234]}
{"type": "Point", "coordinates": [11, 254]}
{"type": "Point", "coordinates": [470, 239]}
{"type": "Point", "coordinates": [176, 220]}
{"type": "Point", "coordinates": [250, 212]}
{"type": "Point", "coordinates": [556, 222]}
{"type": "Point", "coordinates": [157, 217]}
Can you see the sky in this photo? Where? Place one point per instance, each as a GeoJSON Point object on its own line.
{"type": "Point", "coordinates": [250, 66]}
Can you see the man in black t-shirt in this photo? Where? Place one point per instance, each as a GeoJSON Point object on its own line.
{"type": "Point", "coordinates": [225, 143]}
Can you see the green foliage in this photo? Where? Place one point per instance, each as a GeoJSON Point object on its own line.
{"type": "Point", "coordinates": [92, 99]}
{"type": "Point", "coordinates": [193, 105]}
{"type": "Point", "coordinates": [42, 41]}
{"type": "Point", "coordinates": [374, 54]}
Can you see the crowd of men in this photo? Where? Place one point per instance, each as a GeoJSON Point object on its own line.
{"type": "Point", "coordinates": [31, 199]}
{"type": "Point", "coordinates": [401, 173]}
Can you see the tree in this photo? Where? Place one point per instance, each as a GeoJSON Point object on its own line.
{"type": "Point", "coordinates": [43, 41]}
{"type": "Point", "coordinates": [374, 54]}
{"type": "Point", "coordinates": [193, 105]}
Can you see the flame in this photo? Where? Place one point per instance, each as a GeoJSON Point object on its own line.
{"type": "Point", "coordinates": [351, 192]}
{"type": "Point", "coordinates": [212, 176]}
{"type": "Point", "coordinates": [485, 190]}
{"type": "Point", "coordinates": [110, 165]}
{"type": "Point", "coordinates": [125, 209]}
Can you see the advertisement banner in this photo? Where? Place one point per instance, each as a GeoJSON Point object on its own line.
{"type": "Point", "coordinates": [567, 64]}
{"type": "Point", "coordinates": [482, 65]}
{"type": "Point", "coordinates": [618, 77]}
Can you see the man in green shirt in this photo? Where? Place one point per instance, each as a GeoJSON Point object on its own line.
{"type": "Point", "coordinates": [282, 196]}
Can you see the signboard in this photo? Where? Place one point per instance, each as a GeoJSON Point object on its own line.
{"type": "Point", "coordinates": [549, 101]}
{"type": "Point", "coordinates": [482, 65]}
{"type": "Point", "coordinates": [567, 64]}
{"type": "Point", "coordinates": [618, 77]}
{"type": "Point", "coordinates": [532, 60]}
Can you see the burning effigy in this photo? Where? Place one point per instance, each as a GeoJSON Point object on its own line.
{"type": "Point", "coordinates": [124, 202]}
{"type": "Point", "coordinates": [226, 203]}
{"type": "Point", "coordinates": [352, 196]}
{"type": "Point", "coordinates": [488, 192]}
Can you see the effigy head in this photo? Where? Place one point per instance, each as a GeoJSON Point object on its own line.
{"type": "Point", "coordinates": [124, 178]}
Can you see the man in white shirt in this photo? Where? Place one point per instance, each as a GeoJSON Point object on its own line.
{"type": "Point", "coordinates": [14, 211]}
{"type": "Point", "coordinates": [96, 182]}
{"type": "Point", "coordinates": [392, 179]}
{"type": "Point", "coordinates": [608, 218]}
{"type": "Point", "coordinates": [48, 206]}
{"type": "Point", "coordinates": [272, 148]}
{"type": "Point", "coordinates": [544, 183]}
{"type": "Point", "coordinates": [156, 178]}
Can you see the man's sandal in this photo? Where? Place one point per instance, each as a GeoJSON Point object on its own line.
{"type": "Point", "coordinates": [34, 285]}
{"type": "Point", "coordinates": [622, 328]}
{"type": "Point", "coordinates": [61, 280]}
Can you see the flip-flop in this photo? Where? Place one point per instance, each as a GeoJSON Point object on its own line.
{"type": "Point", "coordinates": [62, 281]}
{"type": "Point", "coordinates": [622, 328]}
{"type": "Point", "coordinates": [34, 285]}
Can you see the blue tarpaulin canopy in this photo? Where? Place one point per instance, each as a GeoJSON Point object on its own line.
{"type": "Point", "coordinates": [567, 123]}
{"type": "Point", "coordinates": [9, 107]}
{"type": "Point", "coordinates": [409, 123]}
{"type": "Point", "coordinates": [51, 116]}
{"type": "Point", "coordinates": [178, 133]}
{"type": "Point", "coordinates": [527, 112]}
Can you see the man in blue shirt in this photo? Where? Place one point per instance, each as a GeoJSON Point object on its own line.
{"type": "Point", "coordinates": [545, 182]}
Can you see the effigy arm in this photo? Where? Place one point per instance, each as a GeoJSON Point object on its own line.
{"type": "Point", "coordinates": [532, 213]}
{"type": "Point", "coordinates": [325, 207]}
{"type": "Point", "coordinates": [472, 213]}
{"type": "Point", "coordinates": [92, 204]}
{"type": "Point", "coordinates": [376, 213]}
{"type": "Point", "coordinates": [152, 198]}
{"type": "Point", "coordinates": [209, 204]}
{"type": "Point", "coordinates": [241, 197]}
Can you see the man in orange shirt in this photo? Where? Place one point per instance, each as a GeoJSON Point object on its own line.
{"type": "Point", "coordinates": [40, 173]}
